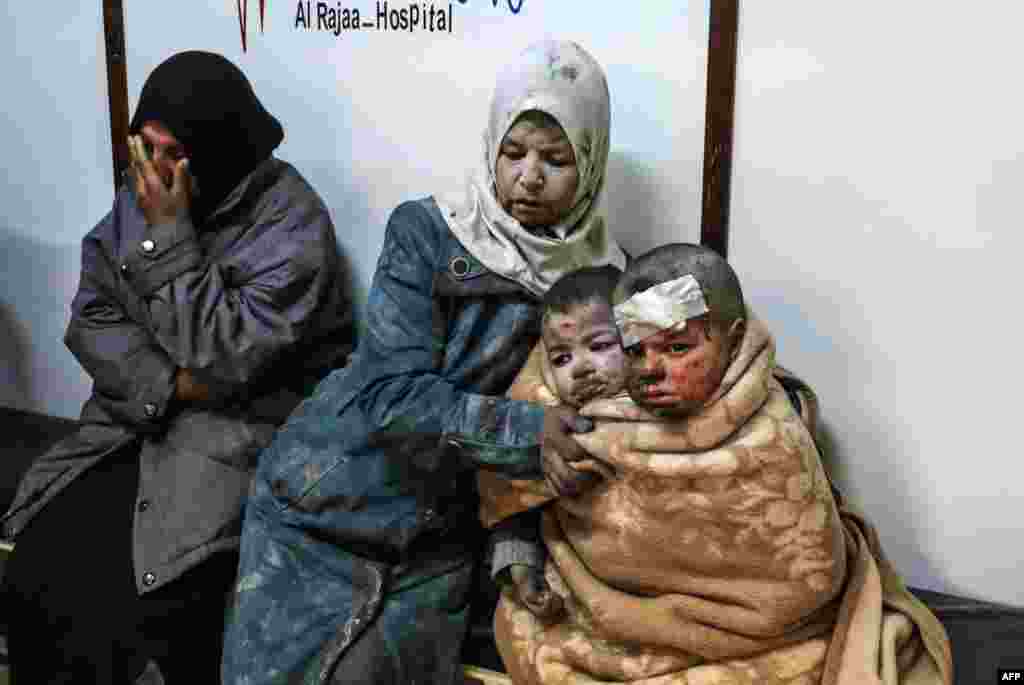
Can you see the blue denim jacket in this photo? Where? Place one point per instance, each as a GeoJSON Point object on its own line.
{"type": "Point", "coordinates": [363, 510]}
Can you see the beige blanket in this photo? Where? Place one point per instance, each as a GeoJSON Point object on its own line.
{"type": "Point", "coordinates": [715, 554]}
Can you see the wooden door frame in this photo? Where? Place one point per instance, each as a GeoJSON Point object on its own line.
{"type": "Point", "coordinates": [117, 86]}
{"type": "Point", "coordinates": [723, 27]}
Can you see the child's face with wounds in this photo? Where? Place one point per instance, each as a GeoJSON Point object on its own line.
{"type": "Point", "coordinates": [584, 352]}
{"type": "Point", "coordinates": [673, 372]}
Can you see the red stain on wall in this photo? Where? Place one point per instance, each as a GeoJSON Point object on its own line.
{"type": "Point", "coordinates": [243, 16]}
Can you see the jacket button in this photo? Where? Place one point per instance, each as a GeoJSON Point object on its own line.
{"type": "Point", "coordinates": [125, 269]}
{"type": "Point", "coordinates": [148, 578]}
{"type": "Point", "coordinates": [150, 410]}
{"type": "Point", "coordinates": [429, 514]}
{"type": "Point", "coordinates": [143, 505]}
{"type": "Point", "coordinates": [459, 266]}
{"type": "Point", "coordinates": [148, 246]}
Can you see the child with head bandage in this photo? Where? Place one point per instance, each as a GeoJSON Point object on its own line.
{"type": "Point", "coordinates": [676, 351]}
{"type": "Point", "coordinates": [713, 536]}
{"type": "Point", "coordinates": [681, 316]}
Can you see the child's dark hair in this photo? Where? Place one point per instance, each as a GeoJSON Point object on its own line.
{"type": "Point", "coordinates": [582, 286]}
{"type": "Point", "coordinates": [717, 280]}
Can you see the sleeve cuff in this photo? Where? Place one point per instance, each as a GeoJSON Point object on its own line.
{"type": "Point", "coordinates": [517, 540]}
{"type": "Point", "coordinates": [509, 552]}
{"type": "Point", "coordinates": [155, 399]}
{"type": "Point", "coordinates": [147, 409]}
{"type": "Point", "coordinates": [166, 252]}
{"type": "Point", "coordinates": [505, 439]}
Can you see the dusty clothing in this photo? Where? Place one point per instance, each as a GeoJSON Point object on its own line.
{"type": "Point", "coordinates": [501, 498]}
{"type": "Point", "coordinates": [253, 302]}
{"type": "Point", "coordinates": [343, 535]}
{"type": "Point", "coordinates": [382, 538]}
{"type": "Point", "coordinates": [715, 554]}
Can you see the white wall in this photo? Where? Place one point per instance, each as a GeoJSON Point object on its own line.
{"type": "Point", "coordinates": [876, 226]}
{"type": "Point", "coordinates": [55, 183]}
{"type": "Point", "coordinates": [876, 151]}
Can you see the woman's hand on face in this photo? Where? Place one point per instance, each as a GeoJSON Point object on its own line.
{"type": "Point", "coordinates": [159, 202]}
{"type": "Point", "coordinates": [559, 450]}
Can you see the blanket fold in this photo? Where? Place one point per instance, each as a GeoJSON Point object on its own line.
{"type": "Point", "coordinates": [716, 553]}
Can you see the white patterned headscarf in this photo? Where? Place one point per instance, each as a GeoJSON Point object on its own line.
{"type": "Point", "coordinates": [564, 81]}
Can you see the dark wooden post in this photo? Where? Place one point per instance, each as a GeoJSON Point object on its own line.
{"type": "Point", "coordinates": [117, 86]}
{"type": "Point", "coordinates": [718, 125]}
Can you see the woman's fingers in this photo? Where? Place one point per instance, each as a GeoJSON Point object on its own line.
{"type": "Point", "coordinates": [559, 450]}
{"type": "Point", "coordinates": [158, 202]}
{"type": "Point", "coordinates": [555, 487]}
{"type": "Point", "coordinates": [594, 466]}
{"type": "Point", "coordinates": [136, 166]}
{"type": "Point", "coordinates": [564, 478]}
{"type": "Point", "coordinates": [621, 408]}
{"type": "Point", "coordinates": [181, 188]}
{"type": "Point", "coordinates": [144, 166]}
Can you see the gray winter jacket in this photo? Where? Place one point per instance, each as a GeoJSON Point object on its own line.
{"type": "Point", "coordinates": [255, 305]}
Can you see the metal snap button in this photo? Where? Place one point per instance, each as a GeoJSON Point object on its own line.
{"type": "Point", "coordinates": [459, 266]}
{"type": "Point", "coordinates": [150, 410]}
{"type": "Point", "coordinates": [125, 268]}
{"type": "Point", "coordinates": [148, 246]}
{"type": "Point", "coordinates": [148, 578]}
{"type": "Point", "coordinates": [143, 505]}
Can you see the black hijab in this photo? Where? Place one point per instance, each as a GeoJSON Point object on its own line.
{"type": "Point", "coordinates": [210, 107]}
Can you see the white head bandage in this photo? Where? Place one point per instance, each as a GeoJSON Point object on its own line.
{"type": "Point", "coordinates": [659, 307]}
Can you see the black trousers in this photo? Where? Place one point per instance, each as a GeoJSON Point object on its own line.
{"type": "Point", "coordinates": [71, 604]}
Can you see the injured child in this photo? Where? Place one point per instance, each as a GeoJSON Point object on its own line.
{"type": "Point", "coordinates": [583, 361]}
{"type": "Point", "coordinates": [713, 550]}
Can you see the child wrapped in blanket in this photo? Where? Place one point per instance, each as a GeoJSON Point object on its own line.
{"type": "Point", "coordinates": [578, 359]}
{"type": "Point", "coordinates": [713, 550]}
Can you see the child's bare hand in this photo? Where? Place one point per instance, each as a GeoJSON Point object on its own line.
{"type": "Point", "coordinates": [533, 591]}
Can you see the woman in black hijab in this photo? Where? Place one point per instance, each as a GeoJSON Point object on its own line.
{"type": "Point", "coordinates": [211, 299]}
{"type": "Point", "coordinates": [210, 107]}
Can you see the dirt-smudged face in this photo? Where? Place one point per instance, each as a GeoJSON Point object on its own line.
{"type": "Point", "coordinates": [536, 174]}
{"type": "Point", "coordinates": [585, 353]}
{"type": "Point", "coordinates": [675, 371]}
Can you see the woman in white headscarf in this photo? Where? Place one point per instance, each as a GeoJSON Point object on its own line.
{"type": "Point", "coordinates": [361, 533]}
{"type": "Point", "coordinates": [560, 89]}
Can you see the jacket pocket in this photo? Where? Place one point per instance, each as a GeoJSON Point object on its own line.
{"type": "Point", "coordinates": [229, 439]}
